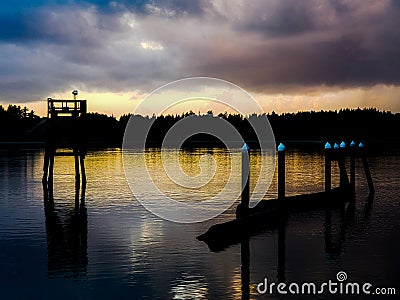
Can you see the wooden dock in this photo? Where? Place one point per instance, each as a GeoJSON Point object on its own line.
{"type": "Point", "coordinates": [270, 214]}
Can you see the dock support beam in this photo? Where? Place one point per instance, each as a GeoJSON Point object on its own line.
{"type": "Point", "coordinates": [352, 168]}
{"type": "Point", "coordinates": [48, 164]}
{"type": "Point", "coordinates": [281, 171]}
{"type": "Point", "coordinates": [328, 163]}
{"type": "Point", "coordinates": [48, 170]}
{"type": "Point", "coordinates": [344, 179]}
{"type": "Point", "coordinates": [83, 172]}
{"type": "Point", "coordinates": [367, 170]}
{"type": "Point", "coordinates": [242, 210]}
{"type": "Point", "coordinates": [77, 175]}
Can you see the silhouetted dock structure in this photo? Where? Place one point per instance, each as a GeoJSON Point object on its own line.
{"type": "Point", "coordinates": [270, 213]}
{"type": "Point", "coordinates": [65, 130]}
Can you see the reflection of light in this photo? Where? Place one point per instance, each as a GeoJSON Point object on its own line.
{"type": "Point", "coordinates": [190, 287]}
{"type": "Point", "coordinates": [236, 285]}
{"type": "Point", "coordinates": [150, 233]}
{"type": "Point", "coordinates": [216, 164]}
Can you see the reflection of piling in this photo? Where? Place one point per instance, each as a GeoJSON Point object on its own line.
{"type": "Point", "coordinates": [245, 269]}
{"type": "Point", "coordinates": [282, 251]}
{"type": "Point", "coordinates": [66, 232]}
{"type": "Point", "coordinates": [281, 171]}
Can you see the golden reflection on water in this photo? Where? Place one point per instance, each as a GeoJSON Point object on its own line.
{"type": "Point", "coordinates": [199, 174]}
{"type": "Point", "coordinates": [106, 178]}
{"type": "Point", "coordinates": [236, 284]}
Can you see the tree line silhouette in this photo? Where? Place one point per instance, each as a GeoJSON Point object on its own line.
{"type": "Point", "coordinates": [19, 124]}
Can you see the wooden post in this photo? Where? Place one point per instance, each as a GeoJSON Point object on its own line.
{"type": "Point", "coordinates": [366, 169]}
{"type": "Point", "coordinates": [45, 165]}
{"type": "Point", "coordinates": [51, 165]}
{"type": "Point", "coordinates": [77, 175]}
{"type": "Point", "coordinates": [352, 167]}
{"type": "Point", "coordinates": [281, 171]}
{"type": "Point", "coordinates": [344, 180]}
{"type": "Point", "coordinates": [245, 178]}
{"type": "Point", "coordinates": [328, 160]}
{"type": "Point", "coordinates": [82, 161]}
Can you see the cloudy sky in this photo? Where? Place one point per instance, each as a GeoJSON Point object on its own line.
{"type": "Point", "coordinates": [290, 55]}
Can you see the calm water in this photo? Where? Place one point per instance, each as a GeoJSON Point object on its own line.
{"type": "Point", "coordinates": [113, 248]}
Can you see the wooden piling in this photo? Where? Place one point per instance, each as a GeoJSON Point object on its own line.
{"type": "Point", "coordinates": [281, 171]}
{"type": "Point", "coordinates": [82, 161]}
{"type": "Point", "coordinates": [77, 175]}
{"type": "Point", "coordinates": [368, 173]}
{"type": "Point", "coordinates": [45, 165]}
{"type": "Point", "coordinates": [344, 179]}
{"type": "Point", "coordinates": [51, 166]}
{"type": "Point", "coordinates": [352, 167]}
{"type": "Point", "coordinates": [245, 199]}
{"type": "Point", "coordinates": [328, 164]}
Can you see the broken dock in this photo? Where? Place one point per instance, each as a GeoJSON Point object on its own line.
{"type": "Point", "coordinates": [270, 213]}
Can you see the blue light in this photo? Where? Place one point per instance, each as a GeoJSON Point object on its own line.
{"type": "Point", "coordinates": [361, 145]}
{"type": "Point", "coordinates": [281, 147]}
{"type": "Point", "coordinates": [245, 148]}
{"type": "Point", "coordinates": [342, 144]}
{"type": "Point", "coordinates": [328, 146]}
{"type": "Point", "coordinates": [352, 144]}
{"type": "Point", "coordinates": [336, 146]}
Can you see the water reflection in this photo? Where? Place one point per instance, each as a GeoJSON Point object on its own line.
{"type": "Point", "coordinates": [245, 270]}
{"type": "Point", "coordinates": [337, 223]}
{"type": "Point", "coordinates": [190, 287]}
{"type": "Point", "coordinates": [66, 233]}
{"type": "Point", "coordinates": [131, 254]}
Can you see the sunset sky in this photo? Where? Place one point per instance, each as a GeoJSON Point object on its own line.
{"type": "Point", "coordinates": [289, 55]}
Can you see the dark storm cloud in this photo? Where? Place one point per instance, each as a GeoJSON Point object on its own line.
{"type": "Point", "coordinates": [139, 45]}
{"type": "Point", "coordinates": [283, 43]}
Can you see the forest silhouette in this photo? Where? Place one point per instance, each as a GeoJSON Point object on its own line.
{"type": "Point", "coordinates": [19, 124]}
